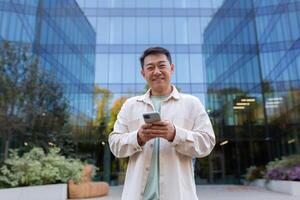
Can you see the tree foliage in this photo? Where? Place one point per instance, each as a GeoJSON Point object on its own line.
{"type": "Point", "coordinates": [115, 109]}
{"type": "Point", "coordinates": [32, 103]}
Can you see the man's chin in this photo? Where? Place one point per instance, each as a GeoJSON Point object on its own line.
{"type": "Point", "coordinates": [159, 87]}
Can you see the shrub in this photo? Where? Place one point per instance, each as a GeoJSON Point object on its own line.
{"type": "Point", "coordinates": [254, 172]}
{"type": "Point", "coordinates": [37, 168]}
{"type": "Point", "coordinates": [286, 168]}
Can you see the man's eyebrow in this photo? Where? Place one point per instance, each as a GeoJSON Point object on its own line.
{"type": "Point", "coordinates": [162, 61]}
{"type": "Point", "coordinates": [149, 64]}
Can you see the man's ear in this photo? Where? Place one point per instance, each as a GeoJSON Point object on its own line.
{"type": "Point", "coordinates": [172, 67]}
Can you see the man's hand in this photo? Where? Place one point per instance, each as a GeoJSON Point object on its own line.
{"type": "Point", "coordinates": [142, 135]}
{"type": "Point", "coordinates": [163, 129]}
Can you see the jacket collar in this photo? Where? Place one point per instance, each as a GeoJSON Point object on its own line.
{"type": "Point", "coordinates": [146, 97]}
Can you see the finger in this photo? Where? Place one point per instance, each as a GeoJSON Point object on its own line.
{"type": "Point", "coordinates": [158, 123]}
{"type": "Point", "coordinates": [161, 123]}
{"type": "Point", "coordinates": [154, 132]}
{"type": "Point", "coordinates": [145, 126]}
{"type": "Point", "coordinates": [156, 127]}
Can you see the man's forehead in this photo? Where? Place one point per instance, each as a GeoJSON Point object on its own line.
{"type": "Point", "coordinates": [155, 58]}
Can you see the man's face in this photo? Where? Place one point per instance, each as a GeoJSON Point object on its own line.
{"type": "Point", "coordinates": [157, 71]}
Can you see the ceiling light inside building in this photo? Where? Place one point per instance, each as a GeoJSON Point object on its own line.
{"type": "Point", "coordinates": [223, 143]}
{"type": "Point", "coordinates": [291, 141]}
{"type": "Point", "coordinates": [248, 100]}
{"type": "Point", "coordinates": [238, 107]}
{"type": "Point", "coordinates": [273, 102]}
{"type": "Point", "coordinates": [243, 104]}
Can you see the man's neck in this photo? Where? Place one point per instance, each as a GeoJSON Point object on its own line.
{"type": "Point", "coordinates": [162, 93]}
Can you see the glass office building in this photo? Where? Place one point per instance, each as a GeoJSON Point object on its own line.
{"type": "Point", "coordinates": [239, 57]}
{"type": "Point", "coordinates": [253, 75]}
{"type": "Point", "coordinates": [64, 41]}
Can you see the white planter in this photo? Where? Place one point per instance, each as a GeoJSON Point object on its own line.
{"type": "Point", "coordinates": [45, 192]}
{"type": "Point", "coordinates": [287, 187]}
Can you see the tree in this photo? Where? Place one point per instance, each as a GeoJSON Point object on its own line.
{"type": "Point", "coordinates": [32, 103]}
{"type": "Point", "coordinates": [104, 122]}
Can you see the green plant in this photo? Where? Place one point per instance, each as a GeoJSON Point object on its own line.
{"type": "Point", "coordinates": [254, 172]}
{"type": "Point", "coordinates": [37, 168]}
{"type": "Point", "coordinates": [284, 162]}
{"type": "Point", "coordinates": [286, 168]}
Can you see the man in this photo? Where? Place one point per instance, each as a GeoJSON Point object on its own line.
{"type": "Point", "coordinates": [160, 154]}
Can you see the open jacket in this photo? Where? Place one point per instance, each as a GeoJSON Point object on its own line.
{"type": "Point", "coordinates": [194, 138]}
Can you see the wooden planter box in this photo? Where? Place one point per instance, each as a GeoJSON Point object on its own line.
{"type": "Point", "coordinates": [45, 192]}
{"type": "Point", "coordinates": [287, 187]}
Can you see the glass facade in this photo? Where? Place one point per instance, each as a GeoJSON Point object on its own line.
{"type": "Point", "coordinates": [126, 28]}
{"type": "Point", "coordinates": [238, 57]}
{"type": "Point", "coordinates": [253, 92]}
{"type": "Point", "coordinates": [64, 41]}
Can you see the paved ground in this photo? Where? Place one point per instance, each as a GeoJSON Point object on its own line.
{"type": "Point", "coordinates": [219, 192]}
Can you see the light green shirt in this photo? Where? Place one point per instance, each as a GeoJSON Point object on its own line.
{"type": "Point", "coordinates": [152, 186]}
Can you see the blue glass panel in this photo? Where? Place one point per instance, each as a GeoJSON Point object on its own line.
{"type": "Point", "coordinates": [192, 3]}
{"type": "Point", "coordinates": [104, 3]}
{"type": "Point", "coordinates": [102, 64]}
{"type": "Point", "coordinates": [103, 30]}
{"type": "Point", "coordinates": [115, 64]}
{"type": "Point", "coordinates": [167, 3]}
{"type": "Point", "coordinates": [128, 71]}
{"type": "Point", "coordinates": [91, 3]}
{"type": "Point", "coordinates": [194, 30]}
{"type": "Point", "coordinates": [155, 30]}
{"type": "Point", "coordinates": [182, 68]}
{"type": "Point", "coordinates": [181, 30]}
{"type": "Point", "coordinates": [154, 3]}
{"type": "Point", "coordinates": [129, 30]}
{"type": "Point", "coordinates": [116, 3]}
{"type": "Point", "coordinates": [129, 4]}
{"type": "Point", "coordinates": [142, 3]}
{"type": "Point", "coordinates": [116, 30]}
{"type": "Point", "coordinates": [180, 4]}
{"type": "Point", "coordinates": [168, 30]}
{"type": "Point", "coordinates": [142, 30]}
{"type": "Point", "coordinates": [196, 64]}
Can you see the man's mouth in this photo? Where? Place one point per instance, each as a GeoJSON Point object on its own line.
{"type": "Point", "coordinates": [158, 79]}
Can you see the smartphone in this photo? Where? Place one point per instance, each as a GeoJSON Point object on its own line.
{"type": "Point", "coordinates": [151, 117]}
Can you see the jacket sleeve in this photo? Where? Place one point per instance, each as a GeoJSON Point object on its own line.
{"type": "Point", "coordinates": [123, 143]}
{"type": "Point", "coordinates": [199, 141]}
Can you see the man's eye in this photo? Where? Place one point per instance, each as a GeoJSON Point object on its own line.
{"type": "Point", "coordinates": [162, 66]}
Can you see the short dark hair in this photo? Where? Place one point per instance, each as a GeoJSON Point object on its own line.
{"type": "Point", "coordinates": [155, 50]}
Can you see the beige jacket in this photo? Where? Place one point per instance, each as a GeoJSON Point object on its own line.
{"type": "Point", "coordinates": [194, 138]}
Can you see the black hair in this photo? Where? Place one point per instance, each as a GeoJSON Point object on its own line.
{"type": "Point", "coordinates": [155, 50]}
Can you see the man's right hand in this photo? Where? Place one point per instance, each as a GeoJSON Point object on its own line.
{"type": "Point", "coordinates": [143, 136]}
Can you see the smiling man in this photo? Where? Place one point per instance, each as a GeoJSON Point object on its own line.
{"type": "Point", "coordinates": [160, 153]}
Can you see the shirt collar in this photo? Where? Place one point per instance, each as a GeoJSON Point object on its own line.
{"type": "Point", "coordinates": [146, 97]}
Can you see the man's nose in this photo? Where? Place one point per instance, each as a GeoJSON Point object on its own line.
{"type": "Point", "coordinates": [157, 70]}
